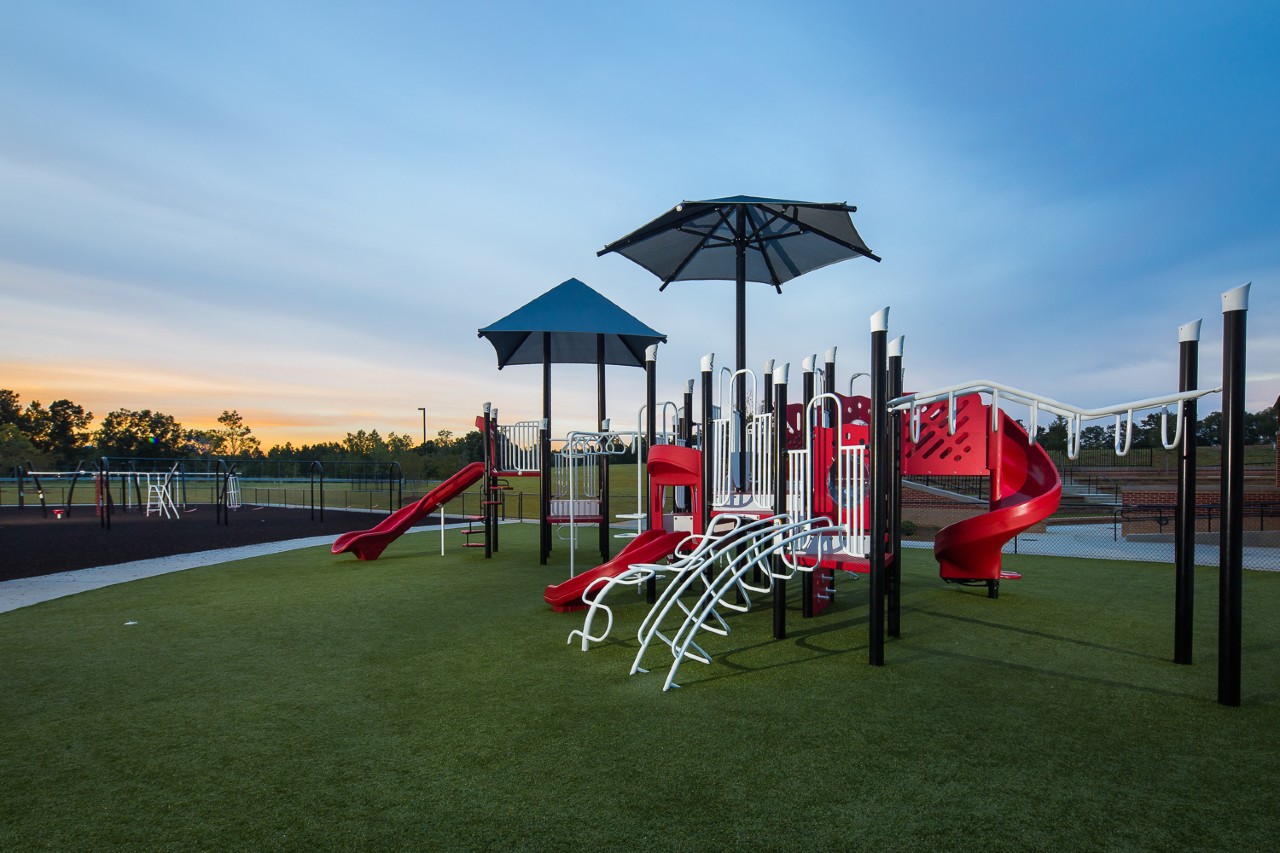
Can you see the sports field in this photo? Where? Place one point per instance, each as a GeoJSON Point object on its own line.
{"type": "Point", "coordinates": [305, 701]}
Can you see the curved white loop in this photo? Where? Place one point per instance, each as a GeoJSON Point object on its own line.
{"type": "Point", "coordinates": [951, 413]}
{"type": "Point", "coordinates": [915, 423]}
{"type": "Point", "coordinates": [1177, 428]}
{"type": "Point", "coordinates": [1128, 435]}
{"type": "Point", "coordinates": [995, 410]}
{"type": "Point", "coordinates": [1074, 426]}
{"type": "Point", "coordinates": [1035, 424]}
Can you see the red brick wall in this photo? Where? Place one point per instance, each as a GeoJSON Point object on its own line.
{"type": "Point", "coordinates": [1158, 497]}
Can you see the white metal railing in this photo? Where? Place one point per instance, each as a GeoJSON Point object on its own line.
{"type": "Point", "coordinates": [759, 466]}
{"type": "Point", "coordinates": [848, 487]}
{"type": "Point", "coordinates": [519, 447]}
{"type": "Point", "coordinates": [1075, 416]}
{"type": "Point", "coordinates": [664, 433]}
{"type": "Point", "coordinates": [577, 461]}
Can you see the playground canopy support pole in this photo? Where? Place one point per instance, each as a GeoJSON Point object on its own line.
{"type": "Point", "coordinates": [650, 436]}
{"type": "Point", "coordinates": [893, 467]}
{"type": "Point", "coordinates": [806, 395]}
{"type": "Point", "coordinates": [603, 461]}
{"type": "Point", "coordinates": [487, 492]}
{"type": "Point", "coordinates": [740, 403]}
{"type": "Point", "coordinates": [544, 475]}
{"type": "Point", "coordinates": [879, 428]}
{"type": "Point", "coordinates": [1184, 525]}
{"type": "Point", "coordinates": [708, 484]}
{"type": "Point", "coordinates": [1235, 307]}
{"type": "Point", "coordinates": [779, 495]}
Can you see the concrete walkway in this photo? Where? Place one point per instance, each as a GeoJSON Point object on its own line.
{"type": "Point", "coordinates": [25, 592]}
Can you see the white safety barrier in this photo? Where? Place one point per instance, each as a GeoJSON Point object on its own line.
{"type": "Point", "coordinates": [519, 447]}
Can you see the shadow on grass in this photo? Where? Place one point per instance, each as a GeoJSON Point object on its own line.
{"type": "Point", "coordinates": [1041, 635]}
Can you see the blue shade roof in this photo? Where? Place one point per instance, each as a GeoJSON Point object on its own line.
{"type": "Point", "coordinates": [573, 315]}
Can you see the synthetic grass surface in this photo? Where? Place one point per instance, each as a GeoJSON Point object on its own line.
{"type": "Point", "coordinates": [305, 701]}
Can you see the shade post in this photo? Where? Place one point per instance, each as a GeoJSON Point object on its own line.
{"type": "Point", "coordinates": [1235, 307]}
{"type": "Point", "coordinates": [1184, 523]}
{"type": "Point", "coordinates": [779, 494]}
{"type": "Point", "coordinates": [878, 490]}
{"type": "Point", "coordinates": [893, 469]}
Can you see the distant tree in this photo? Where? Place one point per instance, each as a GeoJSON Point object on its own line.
{"type": "Point", "coordinates": [142, 433]}
{"type": "Point", "coordinates": [1053, 437]}
{"type": "Point", "coordinates": [235, 438]}
{"type": "Point", "coordinates": [10, 408]}
{"type": "Point", "coordinates": [1209, 430]}
{"type": "Point", "coordinates": [1094, 436]}
{"type": "Point", "coordinates": [398, 445]}
{"type": "Point", "coordinates": [62, 431]}
{"type": "Point", "coordinates": [198, 442]}
{"type": "Point", "coordinates": [16, 449]}
{"type": "Point", "coordinates": [364, 445]}
{"type": "Point", "coordinates": [1260, 427]}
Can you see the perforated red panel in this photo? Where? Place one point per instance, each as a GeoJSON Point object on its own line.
{"type": "Point", "coordinates": [939, 453]}
{"type": "Point", "coordinates": [855, 414]}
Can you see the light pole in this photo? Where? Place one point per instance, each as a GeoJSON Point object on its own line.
{"type": "Point", "coordinates": [423, 409]}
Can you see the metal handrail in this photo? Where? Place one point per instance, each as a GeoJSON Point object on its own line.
{"type": "Point", "coordinates": [1074, 415]}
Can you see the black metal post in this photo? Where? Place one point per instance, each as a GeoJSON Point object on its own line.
{"type": "Point", "coordinates": [603, 462]}
{"type": "Point", "coordinates": [708, 443]}
{"type": "Point", "coordinates": [650, 436]}
{"type": "Point", "coordinates": [1235, 306]}
{"type": "Point", "coordinates": [779, 495]}
{"type": "Point", "coordinates": [686, 425]}
{"type": "Point", "coordinates": [893, 465]}
{"type": "Point", "coordinates": [816, 478]}
{"type": "Point", "coordinates": [499, 493]}
{"type": "Point", "coordinates": [490, 511]}
{"type": "Point", "coordinates": [766, 406]}
{"type": "Point", "coordinates": [1184, 525]}
{"type": "Point", "coordinates": [423, 409]}
{"type": "Point", "coordinates": [544, 475]}
{"type": "Point", "coordinates": [877, 492]}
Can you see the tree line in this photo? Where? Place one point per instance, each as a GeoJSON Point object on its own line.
{"type": "Point", "coordinates": [62, 434]}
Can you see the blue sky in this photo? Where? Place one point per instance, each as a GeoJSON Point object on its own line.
{"type": "Point", "coordinates": [303, 211]}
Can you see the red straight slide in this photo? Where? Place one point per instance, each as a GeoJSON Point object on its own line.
{"type": "Point", "coordinates": [649, 547]}
{"type": "Point", "coordinates": [368, 544]}
{"type": "Point", "coordinates": [1025, 489]}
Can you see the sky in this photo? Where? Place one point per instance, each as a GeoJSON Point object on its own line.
{"type": "Point", "coordinates": [303, 211]}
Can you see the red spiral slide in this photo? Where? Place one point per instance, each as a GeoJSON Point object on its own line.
{"type": "Point", "coordinates": [1025, 489]}
{"type": "Point", "coordinates": [369, 544]}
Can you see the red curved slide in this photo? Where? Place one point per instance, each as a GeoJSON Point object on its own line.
{"type": "Point", "coordinates": [368, 544]}
{"type": "Point", "coordinates": [648, 547]}
{"type": "Point", "coordinates": [1025, 489]}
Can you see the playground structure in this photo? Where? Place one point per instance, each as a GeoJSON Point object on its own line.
{"type": "Point", "coordinates": [166, 493]}
{"type": "Point", "coordinates": [744, 501]}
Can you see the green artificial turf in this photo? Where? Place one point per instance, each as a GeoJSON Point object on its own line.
{"type": "Point", "coordinates": [306, 701]}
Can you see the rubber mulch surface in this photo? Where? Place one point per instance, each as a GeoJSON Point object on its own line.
{"type": "Point", "coordinates": [31, 545]}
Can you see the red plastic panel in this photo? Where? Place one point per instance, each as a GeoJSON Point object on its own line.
{"type": "Point", "coordinates": [940, 453]}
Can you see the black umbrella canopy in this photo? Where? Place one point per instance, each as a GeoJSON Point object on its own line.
{"type": "Point", "coordinates": [743, 238]}
{"type": "Point", "coordinates": [573, 316]}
